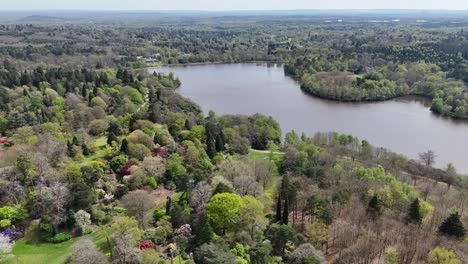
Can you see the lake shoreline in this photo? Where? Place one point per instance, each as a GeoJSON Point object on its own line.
{"type": "Point", "coordinates": [401, 125]}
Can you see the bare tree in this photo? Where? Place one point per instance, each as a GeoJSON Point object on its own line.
{"type": "Point", "coordinates": [246, 185]}
{"type": "Point", "coordinates": [84, 252]}
{"type": "Point", "coordinates": [137, 204]}
{"type": "Point", "coordinates": [427, 158]}
{"type": "Point", "coordinates": [200, 197]}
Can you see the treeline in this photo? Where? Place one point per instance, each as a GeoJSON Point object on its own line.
{"type": "Point", "coordinates": [361, 78]}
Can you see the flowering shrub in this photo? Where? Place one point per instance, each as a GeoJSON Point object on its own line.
{"type": "Point", "coordinates": [184, 230]}
{"type": "Point", "coordinates": [125, 170]}
{"type": "Point", "coordinates": [108, 197]}
{"type": "Point", "coordinates": [145, 245]}
{"type": "Point", "coordinates": [5, 245]}
{"type": "Point", "coordinates": [12, 234]}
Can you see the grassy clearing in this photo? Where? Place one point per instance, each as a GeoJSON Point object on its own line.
{"type": "Point", "coordinates": [42, 253]}
{"type": "Point", "coordinates": [46, 253]}
{"type": "Point", "coordinates": [103, 151]}
{"type": "Point", "coordinates": [276, 157]}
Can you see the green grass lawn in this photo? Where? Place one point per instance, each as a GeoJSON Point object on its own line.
{"type": "Point", "coordinates": [46, 253]}
{"type": "Point", "coordinates": [276, 157]}
{"type": "Point", "coordinates": [42, 253]}
{"type": "Point", "coordinates": [103, 150]}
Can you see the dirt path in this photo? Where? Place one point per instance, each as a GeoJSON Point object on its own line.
{"type": "Point", "coordinates": [267, 151]}
{"type": "Point", "coordinates": [161, 194]}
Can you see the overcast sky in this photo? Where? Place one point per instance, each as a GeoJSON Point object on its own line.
{"type": "Point", "coordinates": [225, 5]}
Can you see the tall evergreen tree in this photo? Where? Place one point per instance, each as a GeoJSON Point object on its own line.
{"type": "Point", "coordinates": [374, 208]}
{"type": "Point", "coordinates": [220, 142]}
{"type": "Point", "coordinates": [414, 213]}
{"type": "Point", "coordinates": [124, 146]}
{"type": "Point", "coordinates": [285, 196]}
{"type": "Point", "coordinates": [452, 226]}
{"type": "Point", "coordinates": [278, 208]}
{"type": "Point", "coordinates": [285, 219]}
{"type": "Point", "coordinates": [210, 145]}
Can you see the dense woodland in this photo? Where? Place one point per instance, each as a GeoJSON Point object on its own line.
{"type": "Point", "coordinates": [103, 162]}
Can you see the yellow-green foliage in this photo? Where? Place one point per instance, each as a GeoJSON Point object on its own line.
{"type": "Point", "coordinates": [399, 188]}
{"type": "Point", "coordinates": [441, 255]}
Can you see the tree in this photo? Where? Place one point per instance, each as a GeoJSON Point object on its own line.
{"type": "Point", "coordinates": [391, 256]}
{"type": "Point", "coordinates": [175, 170]}
{"type": "Point", "coordinates": [373, 207]}
{"type": "Point", "coordinates": [252, 217]}
{"type": "Point", "coordinates": [280, 235]}
{"type": "Point", "coordinates": [84, 252]}
{"type": "Point", "coordinates": [452, 226]}
{"type": "Point", "coordinates": [414, 213]}
{"type": "Point", "coordinates": [138, 203]}
{"type": "Point", "coordinates": [124, 146]}
{"type": "Point", "coordinates": [222, 209]}
{"type": "Point", "coordinates": [316, 233]}
{"type": "Point", "coordinates": [260, 253]}
{"type": "Point", "coordinates": [442, 256]}
{"type": "Point", "coordinates": [427, 158]}
{"type": "Point", "coordinates": [123, 240]}
{"type": "Point", "coordinates": [214, 254]}
{"type": "Point", "coordinates": [305, 254]}
{"type": "Point", "coordinates": [82, 219]}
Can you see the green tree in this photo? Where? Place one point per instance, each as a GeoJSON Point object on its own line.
{"type": "Point", "coordinates": [223, 209]}
{"type": "Point", "coordinates": [214, 254]}
{"type": "Point", "coordinates": [442, 256]}
{"type": "Point", "coordinates": [124, 146]}
{"type": "Point", "coordinates": [452, 226]}
{"type": "Point", "coordinates": [391, 256]}
{"type": "Point", "coordinates": [373, 207]}
{"type": "Point", "coordinates": [280, 235]}
{"type": "Point", "coordinates": [260, 253]}
{"type": "Point", "coordinates": [414, 213]}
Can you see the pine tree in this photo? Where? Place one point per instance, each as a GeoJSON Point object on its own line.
{"type": "Point", "coordinates": [124, 146]}
{"type": "Point", "coordinates": [220, 142]}
{"type": "Point", "coordinates": [286, 211]}
{"type": "Point", "coordinates": [85, 149]}
{"type": "Point", "coordinates": [70, 150]}
{"type": "Point", "coordinates": [210, 145]}
{"type": "Point", "coordinates": [452, 226]}
{"type": "Point", "coordinates": [414, 213]}
{"type": "Point", "coordinates": [374, 208]}
{"type": "Point", "coordinates": [285, 195]}
{"type": "Point", "coordinates": [278, 208]}
{"type": "Point", "coordinates": [75, 141]}
{"type": "Point", "coordinates": [168, 205]}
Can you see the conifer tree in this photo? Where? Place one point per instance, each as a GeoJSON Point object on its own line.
{"type": "Point", "coordinates": [374, 208]}
{"type": "Point", "coordinates": [414, 213]}
{"type": "Point", "coordinates": [278, 208]}
{"type": "Point", "coordinates": [452, 226]}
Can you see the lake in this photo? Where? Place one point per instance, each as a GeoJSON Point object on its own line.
{"type": "Point", "coordinates": [404, 125]}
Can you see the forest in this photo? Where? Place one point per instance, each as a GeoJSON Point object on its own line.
{"type": "Point", "coordinates": [102, 161]}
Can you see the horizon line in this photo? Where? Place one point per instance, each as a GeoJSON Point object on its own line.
{"type": "Point", "coordinates": [236, 10]}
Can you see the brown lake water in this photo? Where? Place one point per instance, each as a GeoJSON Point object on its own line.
{"type": "Point", "coordinates": [404, 125]}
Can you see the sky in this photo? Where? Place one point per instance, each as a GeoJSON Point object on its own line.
{"type": "Point", "coordinates": [229, 5]}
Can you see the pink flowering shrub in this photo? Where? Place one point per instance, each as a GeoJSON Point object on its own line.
{"type": "Point", "coordinates": [145, 245]}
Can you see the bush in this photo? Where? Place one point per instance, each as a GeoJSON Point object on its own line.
{"type": "Point", "coordinates": [88, 230]}
{"type": "Point", "coordinates": [158, 214]}
{"type": "Point", "coordinates": [60, 237]}
{"type": "Point", "coordinates": [119, 210]}
{"type": "Point", "coordinates": [152, 183]}
{"type": "Point", "coordinates": [5, 223]}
